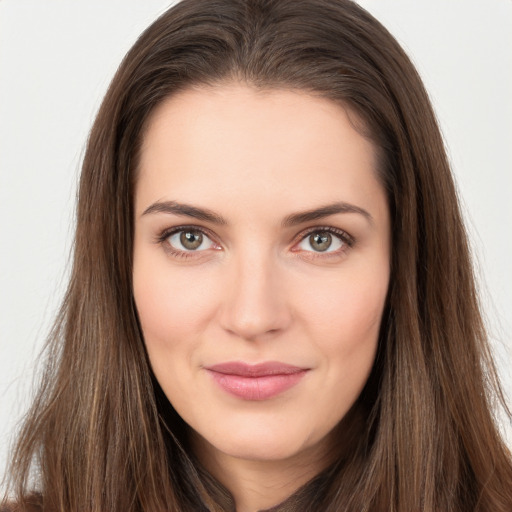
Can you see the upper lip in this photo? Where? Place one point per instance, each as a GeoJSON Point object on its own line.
{"type": "Point", "coordinates": [255, 370]}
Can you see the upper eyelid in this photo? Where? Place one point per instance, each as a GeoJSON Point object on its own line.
{"type": "Point", "coordinates": [340, 233]}
{"type": "Point", "coordinates": [166, 233]}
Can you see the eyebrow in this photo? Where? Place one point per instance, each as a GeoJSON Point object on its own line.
{"type": "Point", "coordinates": [325, 211]}
{"type": "Point", "coordinates": [186, 210]}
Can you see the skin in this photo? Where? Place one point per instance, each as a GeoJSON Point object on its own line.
{"type": "Point", "coordinates": [257, 290]}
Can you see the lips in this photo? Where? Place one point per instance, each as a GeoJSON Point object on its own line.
{"type": "Point", "coordinates": [256, 382]}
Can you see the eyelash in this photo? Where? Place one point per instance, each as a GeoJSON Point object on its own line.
{"type": "Point", "coordinates": [164, 235]}
{"type": "Point", "coordinates": [347, 240]}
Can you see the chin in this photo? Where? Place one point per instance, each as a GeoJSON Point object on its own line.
{"type": "Point", "coordinates": [265, 448]}
{"type": "Point", "coordinates": [266, 441]}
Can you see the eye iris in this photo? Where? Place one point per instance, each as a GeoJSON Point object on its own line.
{"type": "Point", "coordinates": [320, 241]}
{"type": "Point", "coordinates": [191, 239]}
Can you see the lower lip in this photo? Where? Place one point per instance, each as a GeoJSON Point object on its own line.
{"type": "Point", "coordinates": [257, 388]}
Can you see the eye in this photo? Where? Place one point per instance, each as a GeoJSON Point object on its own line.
{"type": "Point", "coordinates": [189, 240]}
{"type": "Point", "coordinates": [324, 241]}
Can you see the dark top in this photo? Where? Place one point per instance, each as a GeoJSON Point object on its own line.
{"type": "Point", "coordinates": [300, 501]}
{"type": "Point", "coordinates": [308, 497]}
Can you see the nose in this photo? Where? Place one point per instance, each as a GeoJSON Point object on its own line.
{"type": "Point", "coordinates": [256, 305]}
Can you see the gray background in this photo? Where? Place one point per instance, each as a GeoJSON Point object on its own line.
{"type": "Point", "coordinates": [56, 60]}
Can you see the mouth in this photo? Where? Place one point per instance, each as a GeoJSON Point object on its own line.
{"type": "Point", "coordinates": [256, 382]}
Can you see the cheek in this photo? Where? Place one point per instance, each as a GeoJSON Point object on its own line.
{"type": "Point", "coordinates": [344, 323]}
{"type": "Point", "coordinates": [350, 340]}
{"type": "Point", "coordinates": [170, 304]}
{"type": "Point", "coordinates": [173, 311]}
{"type": "Point", "coordinates": [348, 307]}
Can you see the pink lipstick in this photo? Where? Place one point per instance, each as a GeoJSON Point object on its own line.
{"type": "Point", "coordinates": [256, 382]}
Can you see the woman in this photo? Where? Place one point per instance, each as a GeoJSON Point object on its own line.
{"type": "Point", "coordinates": [272, 304]}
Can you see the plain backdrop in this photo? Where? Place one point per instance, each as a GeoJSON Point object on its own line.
{"type": "Point", "coordinates": [56, 60]}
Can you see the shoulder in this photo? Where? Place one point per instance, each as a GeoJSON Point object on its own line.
{"type": "Point", "coordinates": [16, 507]}
{"type": "Point", "coordinates": [32, 503]}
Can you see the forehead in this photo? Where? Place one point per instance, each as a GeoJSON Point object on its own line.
{"type": "Point", "coordinates": [238, 141]}
{"type": "Point", "coordinates": [256, 111]}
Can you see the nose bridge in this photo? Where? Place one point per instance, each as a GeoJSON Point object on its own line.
{"type": "Point", "coordinates": [255, 304]}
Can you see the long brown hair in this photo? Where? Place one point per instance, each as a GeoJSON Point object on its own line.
{"type": "Point", "coordinates": [101, 435]}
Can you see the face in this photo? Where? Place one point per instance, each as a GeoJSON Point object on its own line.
{"type": "Point", "coordinates": [261, 265]}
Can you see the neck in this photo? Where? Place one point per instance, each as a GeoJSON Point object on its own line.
{"type": "Point", "coordinates": [257, 484]}
{"type": "Point", "coordinates": [261, 484]}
